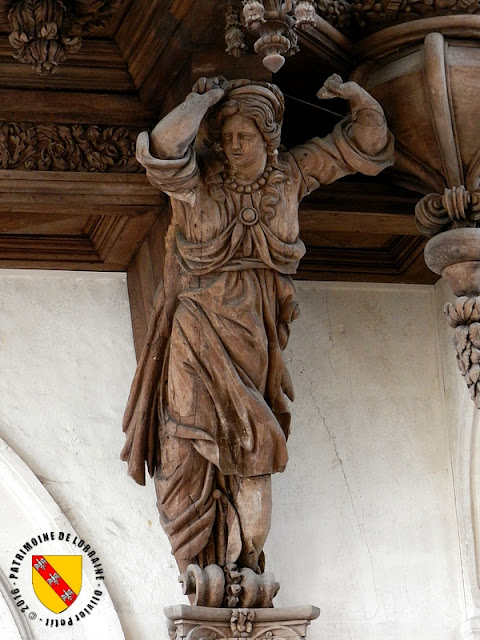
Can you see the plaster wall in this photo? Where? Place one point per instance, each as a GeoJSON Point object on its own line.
{"type": "Point", "coordinates": [365, 522]}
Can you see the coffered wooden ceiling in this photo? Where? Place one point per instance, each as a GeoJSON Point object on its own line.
{"type": "Point", "coordinates": [73, 197]}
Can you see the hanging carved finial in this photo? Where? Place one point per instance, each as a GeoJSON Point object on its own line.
{"type": "Point", "coordinates": [305, 15]}
{"type": "Point", "coordinates": [254, 14]}
{"type": "Point", "coordinates": [45, 32]}
{"type": "Point", "coordinates": [273, 22]}
{"type": "Point", "coordinates": [234, 38]}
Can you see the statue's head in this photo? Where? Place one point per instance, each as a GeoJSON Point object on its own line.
{"type": "Point", "coordinates": [257, 108]}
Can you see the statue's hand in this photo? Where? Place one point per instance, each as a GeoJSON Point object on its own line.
{"type": "Point", "coordinates": [334, 87]}
{"type": "Point", "coordinates": [213, 88]}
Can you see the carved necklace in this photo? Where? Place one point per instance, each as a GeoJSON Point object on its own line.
{"type": "Point", "coordinates": [232, 184]}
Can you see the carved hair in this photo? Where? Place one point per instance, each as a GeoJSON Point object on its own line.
{"type": "Point", "coordinates": [262, 103]}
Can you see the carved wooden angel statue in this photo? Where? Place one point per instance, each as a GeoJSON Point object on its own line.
{"type": "Point", "coordinates": [207, 411]}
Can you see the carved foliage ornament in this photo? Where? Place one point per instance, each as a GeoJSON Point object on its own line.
{"type": "Point", "coordinates": [45, 32]}
{"type": "Point", "coordinates": [74, 147]}
{"type": "Point", "coordinates": [348, 16]}
{"type": "Point", "coordinates": [464, 316]}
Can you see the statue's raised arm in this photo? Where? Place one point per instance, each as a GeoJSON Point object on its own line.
{"type": "Point", "coordinates": [369, 128]}
{"type": "Point", "coordinates": [172, 136]}
{"type": "Point", "coordinates": [208, 409]}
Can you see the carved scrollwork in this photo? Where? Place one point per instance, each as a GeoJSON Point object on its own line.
{"type": "Point", "coordinates": [464, 316]}
{"type": "Point", "coordinates": [73, 147]}
{"type": "Point", "coordinates": [230, 587]}
{"type": "Point", "coordinates": [45, 32]}
{"type": "Point", "coordinates": [456, 208]}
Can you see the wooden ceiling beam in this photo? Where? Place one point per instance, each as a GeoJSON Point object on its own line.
{"type": "Point", "coordinates": [78, 193]}
{"type": "Point", "coordinates": [315, 219]}
{"type": "Point", "coordinates": [157, 39]}
{"type": "Point", "coordinates": [402, 261]}
{"type": "Point", "coordinates": [98, 65]}
{"type": "Point", "coordinates": [117, 240]}
{"type": "Point", "coordinates": [62, 107]}
{"type": "Point", "coordinates": [331, 47]}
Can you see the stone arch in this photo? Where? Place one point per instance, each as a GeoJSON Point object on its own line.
{"type": "Point", "coordinates": [28, 507]}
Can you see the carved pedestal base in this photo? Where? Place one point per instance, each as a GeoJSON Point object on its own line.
{"type": "Point", "coordinates": [208, 623]}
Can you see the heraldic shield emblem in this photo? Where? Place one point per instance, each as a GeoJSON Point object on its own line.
{"type": "Point", "coordinates": [57, 580]}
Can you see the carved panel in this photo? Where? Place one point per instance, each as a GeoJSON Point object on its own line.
{"type": "Point", "coordinates": [367, 16]}
{"type": "Point", "coordinates": [51, 147]}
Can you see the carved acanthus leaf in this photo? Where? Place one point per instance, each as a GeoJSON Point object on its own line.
{"type": "Point", "coordinates": [73, 147]}
{"type": "Point", "coordinates": [45, 32]}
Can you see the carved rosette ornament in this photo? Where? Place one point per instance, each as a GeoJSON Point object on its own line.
{"type": "Point", "coordinates": [45, 32]}
{"type": "Point", "coordinates": [273, 23]}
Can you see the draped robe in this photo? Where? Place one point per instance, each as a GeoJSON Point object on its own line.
{"type": "Point", "coordinates": [208, 402]}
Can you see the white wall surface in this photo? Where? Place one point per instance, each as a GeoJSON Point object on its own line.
{"type": "Point", "coordinates": [366, 512]}
{"type": "Point", "coordinates": [66, 362]}
{"type": "Point", "coordinates": [364, 517]}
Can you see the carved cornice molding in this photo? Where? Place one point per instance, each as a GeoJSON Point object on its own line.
{"type": "Point", "coordinates": [73, 147]}
{"type": "Point", "coordinates": [45, 32]}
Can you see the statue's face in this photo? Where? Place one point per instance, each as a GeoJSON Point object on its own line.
{"type": "Point", "coordinates": [242, 142]}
